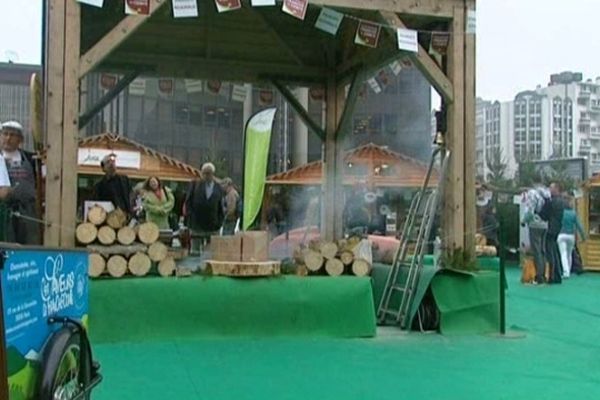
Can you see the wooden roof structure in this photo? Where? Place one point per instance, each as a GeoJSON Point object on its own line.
{"type": "Point", "coordinates": [374, 165]}
{"type": "Point", "coordinates": [153, 163]}
{"type": "Point", "coordinates": [264, 45]}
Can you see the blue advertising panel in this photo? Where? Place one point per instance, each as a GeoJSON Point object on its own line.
{"type": "Point", "coordinates": [36, 285]}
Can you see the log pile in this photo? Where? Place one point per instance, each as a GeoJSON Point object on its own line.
{"type": "Point", "coordinates": [117, 249]}
{"type": "Point", "coordinates": [347, 256]}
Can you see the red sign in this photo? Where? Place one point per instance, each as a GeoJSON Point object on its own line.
{"type": "Point", "coordinates": [317, 93]}
{"type": "Point", "coordinates": [439, 42]}
{"type": "Point", "coordinates": [265, 97]}
{"type": "Point", "coordinates": [108, 81]}
{"type": "Point", "coordinates": [367, 34]}
{"type": "Point", "coordinates": [137, 7]}
{"type": "Point", "coordinates": [228, 5]}
{"type": "Point", "coordinates": [296, 8]}
{"type": "Point", "coordinates": [213, 87]}
{"type": "Point", "coordinates": [166, 86]}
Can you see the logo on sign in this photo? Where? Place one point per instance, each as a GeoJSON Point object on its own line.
{"type": "Point", "coordinates": [57, 287]}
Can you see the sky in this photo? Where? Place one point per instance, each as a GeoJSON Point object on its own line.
{"type": "Point", "coordinates": [519, 42]}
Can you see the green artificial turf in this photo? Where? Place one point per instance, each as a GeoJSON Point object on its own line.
{"type": "Point", "coordinates": [558, 358]}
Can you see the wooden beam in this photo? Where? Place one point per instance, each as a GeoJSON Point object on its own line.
{"type": "Point", "coordinates": [53, 115]}
{"type": "Point", "coordinates": [349, 103]}
{"type": "Point", "coordinates": [124, 82]}
{"type": "Point", "coordinates": [470, 139]}
{"type": "Point", "coordinates": [429, 8]}
{"type": "Point", "coordinates": [302, 113]}
{"type": "Point", "coordinates": [423, 61]}
{"type": "Point", "coordinates": [114, 38]}
{"type": "Point", "coordinates": [454, 211]}
{"type": "Point", "coordinates": [283, 44]}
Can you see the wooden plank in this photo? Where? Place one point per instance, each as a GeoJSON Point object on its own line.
{"type": "Point", "coordinates": [55, 47]}
{"type": "Point", "coordinates": [436, 8]}
{"type": "Point", "coordinates": [68, 198]}
{"type": "Point", "coordinates": [423, 61]}
{"type": "Point", "coordinates": [114, 38]}
{"type": "Point", "coordinates": [124, 82]}
{"type": "Point", "coordinates": [453, 212]}
{"type": "Point", "coordinates": [302, 113]}
{"type": "Point", "coordinates": [470, 196]}
{"type": "Point", "coordinates": [244, 269]}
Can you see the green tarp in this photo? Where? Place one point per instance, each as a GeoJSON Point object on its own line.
{"type": "Point", "coordinates": [133, 310]}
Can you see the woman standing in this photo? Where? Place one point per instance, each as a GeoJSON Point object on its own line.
{"type": "Point", "coordinates": [566, 237]}
{"type": "Point", "coordinates": [158, 202]}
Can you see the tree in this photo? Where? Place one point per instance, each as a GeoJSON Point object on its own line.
{"type": "Point", "coordinates": [497, 166]}
{"type": "Point", "coordinates": [559, 173]}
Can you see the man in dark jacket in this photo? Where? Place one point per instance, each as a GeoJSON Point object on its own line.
{"type": "Point", "coordinates": [204, 208]}
{"type": "Point", "coordinates": [552, 212]}
{"type": "Point", "coordinates": [113, 187]}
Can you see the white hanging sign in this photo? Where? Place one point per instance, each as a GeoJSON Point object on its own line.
{"type": "Point", "coordinates": [262, 3]}
{"type": "Point", "coordinates": [185, 8]}
{"type": "Point", "coordinates": [396, 68]}
{"type": "Point", "coordinates": [374, 85]}
{"type": "Point", "coordinates": [329, 20]}
{"type": "Point", "coordinates": [193, 85]}
{"type": "Point", "coordinates": [137, 87]}
{"type": "Point", "coordinates": [408, 40]}
{"type": "Point", "coordinates": [239, 93]}
{"type": "Point", "coordinates": [123, 158]}
{"type": "Point", "coordinates": [471, 27]}
{"type": "Point", "coordinates": [95, 3]}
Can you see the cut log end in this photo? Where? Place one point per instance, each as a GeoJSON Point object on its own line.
{"type": "Point", "coordinates": [157, 251]}
{"type": "Point", "coordinates": [148, 233]}
{"type": "Point", "coordinates": [313, 260]}
{"type": "Point", "coordinates": [116, 219]}
{"type": "Point", "coordinates": [96, 215]}
{"type": "Point", "coordinates": [361, 267]}
{"type": "Point", "coordinates": [126, 235]}
{"type": "Point", "coordinates": [347, 257]}
{"type": "Point", "coordinates": [139, 264]}
{"type": "Point", "coordinates": [329, 250]}
{"type": "Point", "coordinates": [166, 267]}
{"type": "Point", "coordinates": [97, 265]}
{"type": "Point", "coordinates": [106, 235]}
{"type": "Point", "coordinates": [86, 233]}
{"type": "Point", "coordinates": [334, 267]}
{"type": "Point", "coordinates": [116, 266]}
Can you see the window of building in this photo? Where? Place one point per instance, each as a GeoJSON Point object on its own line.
{"type": "Point", "coordinates": [375, 124]}
{"type": "Point", "coordinates": [361, 124]}
{"type": "Point", "coordinates": [390, 124]}
{"type": "Point", "coordinates": [182, 113]}
{"type": "Point", "coordinates": [210, 116]}
{"type": "Point", "coordinates": [223, 118]}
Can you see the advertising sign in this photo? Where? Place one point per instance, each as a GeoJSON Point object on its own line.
{"type": "Point", "coordinates": [124, 159]}
{"type": "Point", "coordinates": [36, 285]}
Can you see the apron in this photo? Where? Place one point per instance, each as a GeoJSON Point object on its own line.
{"type": "Point", "coordinates": [22, 179]}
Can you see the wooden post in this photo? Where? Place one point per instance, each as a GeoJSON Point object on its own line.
{"type": "Point", "coordinates": [470, 133]}
{"type": "Point", "coordinates": [454, 211]}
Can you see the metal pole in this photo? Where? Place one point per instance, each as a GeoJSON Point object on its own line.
{"type": "Point", "coordinates": [502, 278]}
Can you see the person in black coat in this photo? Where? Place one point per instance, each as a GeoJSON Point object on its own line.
{"type": "Point", "coordinates": [204, 207]}
{"type": "Point", "coordinates": [114, 187]}
{"type": "Point", "coordinates": [552, 212]}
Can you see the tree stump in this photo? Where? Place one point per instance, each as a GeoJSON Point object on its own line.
{"type": "Point", "coordinates": [116, 266]}
{"type": "Point", "coordinates": [96, 215]}
{"type": "Point", "coordinates": [97, 265]}
{"type": "Point", "coordinates": [361, 267]}
{"type": "Point", "coordinates": [157, 251]}
{"type": "Point", "coordinates": [106, 235]}
{"type": "Point", "coordinates": [148, 233]}
{"type": "Point", "coordinates": [166, 267]}
{"type": "Point", "coordinates": [86, 233]}
{"type": "Point", "coordinates": [139, 264]}
{"type": "Point", "coordinates": [334, 267]}
{"type": "Point", "coordinates": [126, 235]}
{"type": "Point", "coordinates": [116, 219]}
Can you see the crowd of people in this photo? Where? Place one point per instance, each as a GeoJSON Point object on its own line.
{"type": "Point", "coordinates": [553, 226]}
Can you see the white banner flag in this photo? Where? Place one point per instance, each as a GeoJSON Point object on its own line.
{"type": "Point", "coordinates": [193, 85]}
{"type": "Point", "coordinates": [262, 3]}
{"type": "Point", "coordinates": [239, 93]}
{"type": "Point", "coordinates": [396, 68]}
{"type": "Point", "coordinates": [408, 40]}
{"type": "Point", "coordinates": [374, 85]}
{"type": "Point", "coordinates": [471, 22]}
{"type": "Point", "coordinates": [137, 87]}
{"type": "Point", "coordinates": [329, 20]}
{"type": "Point", "coordinates": [185, 8]}
{"type": "Point", "coordinates": [95, 3]}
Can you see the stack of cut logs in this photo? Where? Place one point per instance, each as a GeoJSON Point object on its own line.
{"type": "Point", "coordinates": [116, 248]}
{"type": "Point", "coordinates": [347, 256]}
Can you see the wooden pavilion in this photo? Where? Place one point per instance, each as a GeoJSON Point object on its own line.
{"type": "Point", "coordinates": [260, 44]}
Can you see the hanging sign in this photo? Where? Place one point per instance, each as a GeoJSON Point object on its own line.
{"type": "Point", "coordinates": [228, 5]}
{"type": "Point", "coordinates": [439, 43]}
{"type": "Point", "coordinates": [265, 97]}
{"type": "Point", "coordinates": [317, 93]}
{"type": "Point", "coordinates": [296, 8]}
{"type": "Point", "coordinates": [367, 34]}
{"type": "Point", "coordinates": [406, 63]}
{"type": "Point", "coordinates": [262, 3]}
{"type": "Point", "coordinates": [193, 85]}
{"type": "Point", "coordinates": [185, 8]}
{"type": "Point", "coordinates": [408, 40]}
{"type": "Point", "coordinates": [383, 78]}
{"type": "Point", "coordinates": [108, 81]}
{"type": "Point", "coordinates": [137, 7]}
{"type": "Point", "coordinates": [213, 87]}
{"type": "Point", "coordinates": [95, 3]}
{"type": "Point", "coordinates": [374, 85]}
{"type": "Point", "coordinates": [471, 22]}
{"type": "Point", "coordinates": [329, 20]}
{"type": "Point", "coordinates": [239, 93]}
{"type": "Point", "coordinates": [166, 86]}
{"type": "Point", "coordinates": [123, 158]}
{"type": "Point", "coordinates": [396, 68]}
{"type": "Point", "coordinates": [137, 87]}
